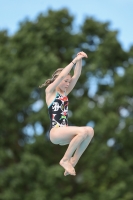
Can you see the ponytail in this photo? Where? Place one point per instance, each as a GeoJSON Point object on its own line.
{"type": "Point", "coordinates": [54, 76]}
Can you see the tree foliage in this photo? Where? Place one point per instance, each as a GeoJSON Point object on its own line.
{"type": "Point", "coordinates": [102, 98]}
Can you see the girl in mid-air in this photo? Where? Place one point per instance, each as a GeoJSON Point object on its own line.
{"type": "Point", "coordinates": [78, 138]}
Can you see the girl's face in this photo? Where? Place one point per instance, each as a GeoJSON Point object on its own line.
{"type": "Point", "coordinates": [65, 83]}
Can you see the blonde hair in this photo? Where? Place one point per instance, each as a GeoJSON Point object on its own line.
{"type": "Point", "coordinates": [51, 80]}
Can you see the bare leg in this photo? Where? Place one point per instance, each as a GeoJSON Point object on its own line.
{"type": "Point", "coordinates": [74, 135]}
{"type": "Point", "coordinates": [75, 142]}
{"type": "Point", "coordinates": [80, 151]}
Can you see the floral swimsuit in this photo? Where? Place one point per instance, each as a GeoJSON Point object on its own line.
{"type": "Point", "coordinates": [58, 111]}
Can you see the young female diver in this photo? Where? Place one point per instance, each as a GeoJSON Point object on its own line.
{"type": "Point", "coordinates": [78, 138]}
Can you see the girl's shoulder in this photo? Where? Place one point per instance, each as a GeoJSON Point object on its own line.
{"type": "Point", "coordinates": [49, 96]}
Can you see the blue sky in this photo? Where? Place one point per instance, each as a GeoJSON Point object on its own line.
{"type": "Point", "coordinates": [118, 12]}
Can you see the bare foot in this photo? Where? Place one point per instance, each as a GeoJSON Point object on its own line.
{"type": "Point", "coordinates": [72, 163]}
{"type": "Point", "coordinates": [68, 167]}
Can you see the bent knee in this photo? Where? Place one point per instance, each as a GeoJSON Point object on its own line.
{"type": "Point", "coordinates": [90, 131]}
{"type": "Point", "coordinates": [83, 133]}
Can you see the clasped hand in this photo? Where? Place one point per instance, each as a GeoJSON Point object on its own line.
{"type": "Point", "coordinates": [80, 55]}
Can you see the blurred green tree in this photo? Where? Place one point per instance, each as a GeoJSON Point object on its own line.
{"type": "Point", "coordinates": [103, 95]}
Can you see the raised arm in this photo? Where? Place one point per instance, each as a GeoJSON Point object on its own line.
{"type": "Point", "coordinates": [61, 76]}
{"type": "Point", "coordinates": [65, 72]}
{"type": "Point", "coordinates": [77, 73]}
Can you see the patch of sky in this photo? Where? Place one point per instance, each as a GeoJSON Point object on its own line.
{"type": "Point", "coordinates": [93, 83]}
{"type": "Point", "coordinates": [110, 142]}
{"type": "Point", "coordinates": [38, 128]}
{"type": "Point", "coordinates": [120, 71]}
{"type": "Point", "coordinates": [37, 105]}
{"type": "Point", "coordinates": [107, 80]}
{"type": "Point", "coordinates": [31, 130]}
{"type": "Point", "coordinates": [91, 124]}
{"type": "Point", "coordinates": [79, 92]}
{"type": "Point", "coordinates": [124, 112]}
